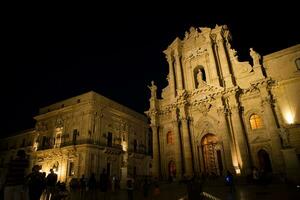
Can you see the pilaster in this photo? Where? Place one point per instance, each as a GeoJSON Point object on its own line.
{"type": "Point", "coordinates": [171, 75]}
{"type": "Point", "coordinates": [178, 156]}
{"type": "Point", "coordinates": [272, 127]}
{"type": "Point", "coordinates": [186, 143]}
{"type": "Point", "coordinates": [156, 156]}
{"type": "Point", "coordinates": [225, 68]}
{"type": "Point", "coordinates": [213, 65]}
{"type": "Point", "coordinates": [179, 76]}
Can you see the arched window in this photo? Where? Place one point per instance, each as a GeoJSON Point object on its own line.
{"type": "Point", "coordinates": [255, 122]}
{"type": "Point", "coordinates": [170, 138]}
{"type": "Point", "coordinates": [297, 61]}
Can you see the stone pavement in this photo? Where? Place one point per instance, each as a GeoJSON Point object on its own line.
{"type": "Point", "coordinates": [175, 191]}
{"type": "Point", "coordinates": [255, 192]}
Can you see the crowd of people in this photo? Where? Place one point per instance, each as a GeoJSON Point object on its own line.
{"type": "Point", "coordinates": [36, 185]}
{"type": "Point", "coordinates": [16, 184]}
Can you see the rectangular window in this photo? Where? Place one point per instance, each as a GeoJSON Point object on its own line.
{"type": "Point", "coordinates": [75, 134]}
{"type": "Point", "coordinates": [71, 169]}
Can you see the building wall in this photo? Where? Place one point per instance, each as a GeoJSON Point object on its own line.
{"type": "Point", "coordinates": [209, 112]}
{"type": "Point", "coordinates": [72, 136]}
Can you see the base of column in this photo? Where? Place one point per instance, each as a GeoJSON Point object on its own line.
{"type": "Point", "coordinates": [123, 181]}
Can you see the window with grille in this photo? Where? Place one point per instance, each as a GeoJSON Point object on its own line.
{"type": "Point", "coordinates": [255, 122]}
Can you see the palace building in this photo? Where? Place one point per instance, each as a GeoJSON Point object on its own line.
{"type": "Point", "coordinates": [83, 135]}
{"type": "Point", "coordinates": [218, 113]}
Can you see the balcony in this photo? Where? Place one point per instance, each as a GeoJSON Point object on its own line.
{"type": "Point", "coordinates": [90, 141]}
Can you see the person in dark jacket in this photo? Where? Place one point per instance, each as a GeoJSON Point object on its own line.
{"type": "Point", "coordinates": [36, 183]}
{"type": "Point", "coordinates": [51, 182]}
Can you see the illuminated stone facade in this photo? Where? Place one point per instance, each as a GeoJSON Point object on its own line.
{"type": "Point", "coordinates": [83, 135]}
{"type": "Point", "coordinates": [218, 113]}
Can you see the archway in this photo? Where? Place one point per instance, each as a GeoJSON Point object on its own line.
{"type": "Point", "coordinates": [172, 169]}
{"type": "Point", "coordinates": [212, 154]}
{"type": "Point", "coordinates": [264, 161]}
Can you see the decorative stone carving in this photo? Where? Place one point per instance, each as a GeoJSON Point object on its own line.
{"type": "Point", "coordinates": [41, 126]}
{"type": "Point", "coordinates": [194, 53]}
{"type": "Point", "coordinates": [55, 165]}
{"type": "Point", "coordinates": [255, 57]}
{"type": "Point", "coordinates": [284, 135]}
{"type": "Point", "coordinates": [59, 123]}
{"type": "Point", "coordinates": [204, 108]}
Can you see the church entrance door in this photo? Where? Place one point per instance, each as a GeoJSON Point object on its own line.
{"type": "Point", "coordinates": [212, 155]}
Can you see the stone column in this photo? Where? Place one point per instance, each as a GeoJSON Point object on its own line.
{"type": "Point", "coordinates": [178, 72]}
{"type": "Point", "coordinates": [178, 156]}
{"type": "Point", "coordinates": [213, 64]}
{"type": "Point", "coordinates": [194, 145]}
{"type": "Point", "coordinates": [227, 77]}
{"type": "Point", "coordinates": [156, 158]}
{"type": "Point", "coordinates": [272, 127]}
{"type": "Point", "coordinates": [171, 76]}
{"type": "Point", "coordinates": [186, 144]}
{"type": "Point", "coordinates": [225, 118]}
{"type": "Point", "coordinates": [271, 122]}
{"type": "Point", "coordinates": [188, 167]}
{"type": "Point", "coordinates": [240, 140]}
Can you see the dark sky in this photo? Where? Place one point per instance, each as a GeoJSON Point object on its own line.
{"type": "Point", "coordinates": [53, 55]}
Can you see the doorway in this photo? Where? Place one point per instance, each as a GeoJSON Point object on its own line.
{"type": "Point", "coordinates": [212, 155]}
{"type": "Point", "coordinates": [172, 169]}
{"type": "Point", "coordinates": [264, 161]}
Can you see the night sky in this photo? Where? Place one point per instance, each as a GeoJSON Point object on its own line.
{"type": "Point", "coordinates": [52, 56]}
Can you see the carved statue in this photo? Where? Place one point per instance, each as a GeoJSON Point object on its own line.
{"type": "Point", "coordinates": [255, 57]}
{"type": "Point", "coordinates": [153, 89]}
{"type": "Point", "coordinates": [199, 77]}
{"type": "Point", "coordinates": [284, 137]}
{"type": "Point", "coordinates": [55, 165]}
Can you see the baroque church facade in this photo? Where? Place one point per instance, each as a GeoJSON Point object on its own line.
{"type": "Point", "coordinates": [84, 135]}
{"type": "Point", "coordinates": [218, 113]}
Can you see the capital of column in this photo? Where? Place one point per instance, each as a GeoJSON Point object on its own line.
{"type": "Point", "coordinates": [267, 101]}
{"type": "Point", "coordinates": [236, 108]}
{"type": "Point", "coordinates": [219, 38]}
{"type": "Point", "coordinates": [184, 119]}
{"type": "Point", "coordinates": [169, 58]}
{"type": "Point", "coordinates": [153, 126]}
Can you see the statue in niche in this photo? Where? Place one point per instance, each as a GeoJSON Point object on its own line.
{"type": "Point", "coordinates": [255, 57]}
{"type": "Point", "coordinates": [199, 77]}
{"type": "Point", "coordinates": [284, 137]}
{"type": "Point", "coordinates": [153, 89]}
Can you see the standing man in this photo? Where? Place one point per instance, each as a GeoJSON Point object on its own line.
{"type": "Point", "coordinates": [51, 182]}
